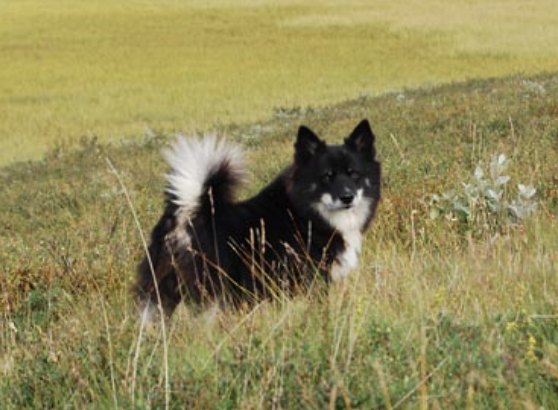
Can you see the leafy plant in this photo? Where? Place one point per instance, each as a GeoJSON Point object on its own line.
{"type": "Point", "coordinates": [486, 204]}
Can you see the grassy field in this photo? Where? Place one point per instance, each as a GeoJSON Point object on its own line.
{"type": "Point", "coordinates": [114, 69]}
{"type": "Point", "coordinates": [455, 304]}
{"type": "Point", "coordinates": [445, 312]}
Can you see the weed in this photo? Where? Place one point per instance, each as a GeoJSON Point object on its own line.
{"type": "Point", "coordinates": [486, 205]}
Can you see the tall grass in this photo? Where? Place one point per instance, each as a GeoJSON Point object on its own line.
{"type": "Point", "coordinates": [438, 316]}
{"type": "Point", "coordinates": [408, 328]}
{"type": "Point", "coordinates": [113, 69]}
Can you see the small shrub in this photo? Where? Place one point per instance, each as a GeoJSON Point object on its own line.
{"type": "Point", "coordinates": [486, 204]}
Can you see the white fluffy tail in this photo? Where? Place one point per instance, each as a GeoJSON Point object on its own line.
{"type": "Point", "coordinates": [198, 164]}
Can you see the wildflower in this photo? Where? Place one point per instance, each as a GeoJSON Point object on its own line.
{"type": "Point", "coordinates": [439, 297]}
{"type": "Point", "coordinates": [359, 308]}
{"type": "Point", "coordinates": [532, 344]}
{"type": "Point", "coordinates": [511, 326]}
{"type": "Point", "coordinates": [520, 296]}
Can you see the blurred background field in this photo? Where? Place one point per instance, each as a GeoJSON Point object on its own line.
{"type": "Point", "coordinates": [114, 69]}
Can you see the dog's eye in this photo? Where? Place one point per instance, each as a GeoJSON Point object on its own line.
{"type": "Point", "coordinates": [328, 176]}
{"type": "Point", "coordinates": [354, 174]}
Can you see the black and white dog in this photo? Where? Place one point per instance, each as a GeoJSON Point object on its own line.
{"type": "Point", "coordinates": [306, 224]}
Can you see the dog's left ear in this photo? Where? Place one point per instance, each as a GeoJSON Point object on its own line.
{"type": "Point", "coordinates": [362, 139]}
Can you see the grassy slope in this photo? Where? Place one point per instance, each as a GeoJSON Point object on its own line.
{"type": "Point", "coordinates": [434, 318]}
{"type": "Point", "coordinates": [70, 68]}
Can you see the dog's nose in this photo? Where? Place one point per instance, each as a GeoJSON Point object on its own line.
{"type": "Point", "coordinates": [347, 198]}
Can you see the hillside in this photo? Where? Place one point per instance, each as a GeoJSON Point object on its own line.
{"type": "Point", "coordinates": [449, 309]}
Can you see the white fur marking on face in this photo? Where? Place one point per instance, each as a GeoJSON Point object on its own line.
{"type": "Point", "coordinates": [341, 218]}
{"type": "Point", "coordinates": [367, 182]}
{"type": "Point", "coordinates": [327, 200]}
{"type": "Point", "coordinates": [330, 205]}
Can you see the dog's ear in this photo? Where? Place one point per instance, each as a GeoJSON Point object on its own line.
{"type": "Point", "coordinates": [307, 144]}
{"type": "Point", "coordinates": [362, 139]}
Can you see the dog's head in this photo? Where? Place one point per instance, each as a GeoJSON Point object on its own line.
{"type": "Point", "coordinates": [340, 182]}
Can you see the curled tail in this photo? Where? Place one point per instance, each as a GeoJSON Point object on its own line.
{"type": "Point", "coordinates": [203, 174]}
{"type": "Point", "coordinates": [202, 170]}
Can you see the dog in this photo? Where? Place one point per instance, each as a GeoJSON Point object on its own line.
{"type": "Point", "coordinates": [307, 224]}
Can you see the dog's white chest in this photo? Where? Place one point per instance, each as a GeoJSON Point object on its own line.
{"type": "Point", "coordinates": [348, 260]}
{"type": "Point", "coordinates": [349, 224]}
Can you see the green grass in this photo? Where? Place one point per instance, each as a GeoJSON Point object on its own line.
{"type": "Point", "coordinates": [113, 69]}
{"type": "Point", "coordinates": [438, 316]}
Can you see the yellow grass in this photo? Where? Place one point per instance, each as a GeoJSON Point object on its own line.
{"type": "Point", "coordinates": [113, 69]}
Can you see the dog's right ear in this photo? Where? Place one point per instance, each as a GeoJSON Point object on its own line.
{"type": "Point", "coordinates": [307, 144]}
